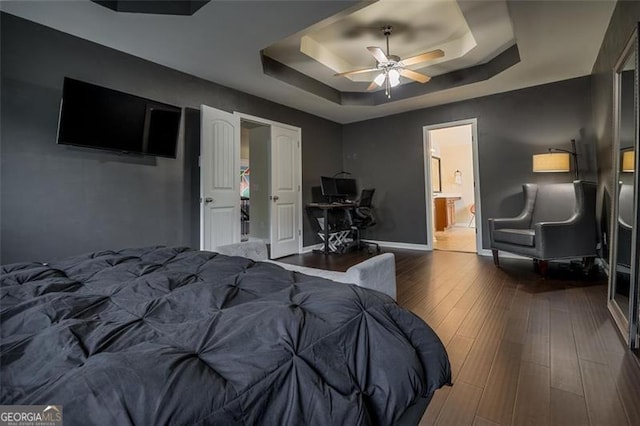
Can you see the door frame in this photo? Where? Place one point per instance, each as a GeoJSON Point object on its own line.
{"type": "Point", "coordinates": [426, 145]}
{"type": "Point", "coordinates": [266, 122]}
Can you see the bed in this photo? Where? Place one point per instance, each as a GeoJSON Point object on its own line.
{"type": "Point", "coordinates": [166, 335]}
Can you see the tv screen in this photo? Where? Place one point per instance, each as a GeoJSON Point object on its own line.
{"type": "Point", "coordinates": [97, 117]}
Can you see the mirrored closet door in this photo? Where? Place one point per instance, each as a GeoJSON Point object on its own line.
{"type": "Point", "coordinates": [623, 276]}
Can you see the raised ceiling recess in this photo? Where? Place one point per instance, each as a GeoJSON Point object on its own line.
{"type": "Point", "coordinates": [159, 7]}
{"type": "Point", "coordinates": [473, 50]}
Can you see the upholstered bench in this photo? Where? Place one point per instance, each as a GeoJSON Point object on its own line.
{"type": "Point", "coordinates": [377, 273]}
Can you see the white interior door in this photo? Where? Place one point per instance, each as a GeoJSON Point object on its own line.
{"type": "Point", "coordinates": [219, 178]}
{"type": "Point", "coordinates": [285, 205]}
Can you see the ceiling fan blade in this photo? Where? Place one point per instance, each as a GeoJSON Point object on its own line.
{"type": "Point", "coordinates": [378, 54]}
{"type": "Point", "coordinates": [416, 76]}
{"type": "Point", "coordinates": [434, 54]}
{"type": "Point", "coordinates": [372, 86]}
{"type": "Point", "coordinates": [356, 72]}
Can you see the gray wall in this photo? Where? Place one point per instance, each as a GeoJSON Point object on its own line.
{"type": "Point", "coordinates": [59, 200]}
{"type": "Point", "coordinates": [387, 153]}
{"type": "Point", "coordinates": [623, 21]}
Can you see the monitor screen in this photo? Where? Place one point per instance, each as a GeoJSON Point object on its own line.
{"type": "Point", "coordinates": [329, 188]}
{"type": "Point", "coordinates": [346, 187]}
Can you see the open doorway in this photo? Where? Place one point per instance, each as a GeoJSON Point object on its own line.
{"type": "Point", "coordinates": [267, 206]}
{"type": "Point", "coordinates": [254, 181]}
{"type": "Point", "coordinates": [450, 187]}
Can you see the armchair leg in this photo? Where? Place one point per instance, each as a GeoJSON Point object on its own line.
{"type": "Point", "coordinates": [588, 265]}
{"type": "Point", "coordinates": [543, 267]}
{"type": "Point", "coordinates": [496, 259]}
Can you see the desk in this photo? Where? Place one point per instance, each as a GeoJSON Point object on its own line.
{"type": "Point", "coordinates": [325, 207]}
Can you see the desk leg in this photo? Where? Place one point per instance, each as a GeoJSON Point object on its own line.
{"type": "Point", "coordinates": [325, 213]}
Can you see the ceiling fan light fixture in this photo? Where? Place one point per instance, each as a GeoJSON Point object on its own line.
{"type": "Point", "coordinates": [391, 67]}
{"type": "Point", "coordinates": [379, 79]}
{"type": "Point", "coordinates": [394, 77]}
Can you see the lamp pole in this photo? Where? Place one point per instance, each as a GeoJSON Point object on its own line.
{"type": "Point", "coordinates": [574, 155]}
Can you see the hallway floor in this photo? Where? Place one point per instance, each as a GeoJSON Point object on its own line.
{"type": "Point", "coordinates": [456, 239]}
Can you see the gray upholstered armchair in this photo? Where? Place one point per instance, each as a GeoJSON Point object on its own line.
{"type": "Point", "coordinates": [558, 222]}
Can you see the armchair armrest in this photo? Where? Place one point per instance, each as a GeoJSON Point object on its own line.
{"type": "Point", "coordinates": [573, 237]}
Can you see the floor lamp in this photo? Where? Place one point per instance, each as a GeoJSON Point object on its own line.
{"type": "Point", "coordinates": [557, 160]}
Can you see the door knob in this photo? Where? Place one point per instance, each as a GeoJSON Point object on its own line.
{"type": "Point", "coordinates": [274, 197]}
{"type": "Point", "coordinates": [208, 200]}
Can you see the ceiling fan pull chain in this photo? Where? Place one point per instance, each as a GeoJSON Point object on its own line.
{"type": "Point", "coordinates": [387, 85]}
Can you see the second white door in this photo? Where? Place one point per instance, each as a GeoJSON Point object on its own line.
{"type": "Point", "coordinates": [285, 190]}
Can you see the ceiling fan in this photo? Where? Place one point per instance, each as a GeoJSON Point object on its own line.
{"type": "Point", "coordinates": [391, 67]}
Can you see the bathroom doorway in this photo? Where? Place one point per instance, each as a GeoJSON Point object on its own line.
{"type": "Point", "coordinates": [451, 187]}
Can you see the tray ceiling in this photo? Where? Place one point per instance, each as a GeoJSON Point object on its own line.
{"type": "Point", "coordinates": [223, 41]}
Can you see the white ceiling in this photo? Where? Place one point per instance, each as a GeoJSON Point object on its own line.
{"type": "Point", "coordinates": [557, 40]}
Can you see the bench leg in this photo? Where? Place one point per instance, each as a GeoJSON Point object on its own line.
{"type": "Point", "coordinates": [496, 259]}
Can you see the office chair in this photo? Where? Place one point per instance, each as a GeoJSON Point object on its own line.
{"type": "Point", "coordinates": [362, 218]}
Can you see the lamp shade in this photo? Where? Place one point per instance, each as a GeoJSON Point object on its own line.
{"type": "Point", "coordinates": [551, 162]}
{"type": "Point", "coordinates": [628, 161]}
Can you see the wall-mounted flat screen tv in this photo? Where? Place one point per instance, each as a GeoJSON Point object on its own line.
{"type": "Point", "coordinates": [97, 117]}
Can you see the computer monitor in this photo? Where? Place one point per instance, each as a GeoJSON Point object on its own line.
{"type": "Point", "coordinates": [329, 188]}
{"type": "Point", "coordinates": [347, 188]}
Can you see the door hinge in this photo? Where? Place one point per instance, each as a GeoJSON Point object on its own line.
{"type": "Point", "coordinates": [299, 232]}
{"type": "Point", "coordinates": [298, 144]}
{"type": "Point", "coordinates": [199, 161]}
{"type": "Point", "coordinates": [298, 188]}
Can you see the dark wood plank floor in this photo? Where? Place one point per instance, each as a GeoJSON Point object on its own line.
{"type": "Point", "coordinates": [524, 350]}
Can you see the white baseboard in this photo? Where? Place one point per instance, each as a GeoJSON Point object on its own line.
{"type": "Point", "coordinates": [388, 244]}
{"type": "Point", "coordinates": [393, 244]}
{"type": "Point", "coordinates": [419, 247]}
{"type": "Point", "coordinates": [309, 249]}
{"type": "Point", "coordinates": [604, 265]}
{"type": "Point", "coordinates": [488, 252]}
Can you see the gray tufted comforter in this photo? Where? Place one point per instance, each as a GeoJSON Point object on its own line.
{"type": "Point", "coordinates": [173, 336]}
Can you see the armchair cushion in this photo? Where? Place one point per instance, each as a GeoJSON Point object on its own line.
{"type": "Point", "coordinates": [522, 237]}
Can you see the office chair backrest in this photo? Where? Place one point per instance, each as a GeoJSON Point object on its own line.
{"type": "Point", "coordinates": [366, 198]}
